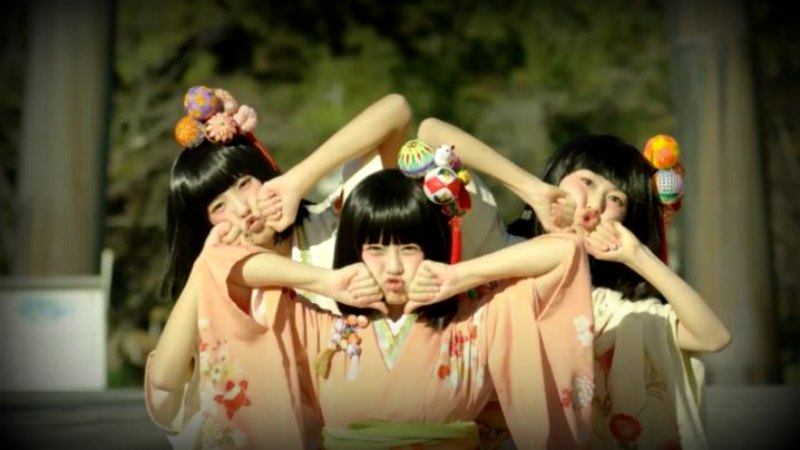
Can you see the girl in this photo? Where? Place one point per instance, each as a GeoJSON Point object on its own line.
{"type": "Point", "coordinates": [420, 370]}
{"type": "Point", "coordinates": [648, 383]}
{"type": "Point", "coordinates": [215, 183]}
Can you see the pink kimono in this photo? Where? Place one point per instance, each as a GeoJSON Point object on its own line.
{"type": "Point", "coordinates": [534, 353]}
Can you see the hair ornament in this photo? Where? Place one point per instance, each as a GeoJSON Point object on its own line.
{"type": "Point", "coordinates": [246, 119]}
{"type": "Point", "coordinates": [229, 103]}
{"type": "Point", "coordinates": [444, 182]}
{"type": "Point", "coordinates": [345, 338]}
{"type": "Point", "coordinates": [189, 132]}
{"type": "Point", "coordinates": [221, 128]}
{"type": "Point", "coordinates": [216, 116]}
{"type": "Point", "coordinates": [415, 159]}
{"type": "Point", "coordinates": [200, 103]}
{"type": "Point", "coordinates": [663, 153]}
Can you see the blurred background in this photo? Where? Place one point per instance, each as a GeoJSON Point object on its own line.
{"type": "Point", "coordinates": [92, 88]}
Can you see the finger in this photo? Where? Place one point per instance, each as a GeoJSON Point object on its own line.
{"type": "Point", "coordinates": [362, 283]}
{"type": "Point", "coordinates": [231, 236]}
{"type": "Point", "coordinates": [423, 289]}
{"type": "Point", "coordinates": [363, 293]}
{"type": "Point", "coordinates": [436, 282]}
{"type": "Point", "coordinates": [369, 299]}
{"type": "Point", "coordinates": [379, 306]}
{"type": "Point", "coordinates": [596, 242]}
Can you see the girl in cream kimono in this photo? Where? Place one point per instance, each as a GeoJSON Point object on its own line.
{"type": "Point", "coordinates": [648, 380]}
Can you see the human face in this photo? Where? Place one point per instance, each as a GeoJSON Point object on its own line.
{"type": "Point", "coordinates": [597, 200]}
{"type": "Point", "coordinates": [238, 205]}
{"type": "Point", "coordinates": [393, 266]}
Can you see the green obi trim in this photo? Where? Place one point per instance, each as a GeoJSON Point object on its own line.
{"type": "Point", "coordinates": [384, 434]}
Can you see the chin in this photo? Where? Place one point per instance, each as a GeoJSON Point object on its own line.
{"type": "Point", "coordinates": [395, 299]}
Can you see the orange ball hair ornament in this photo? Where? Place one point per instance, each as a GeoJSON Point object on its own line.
{"type": "Point", "coordinates": [662, 151]}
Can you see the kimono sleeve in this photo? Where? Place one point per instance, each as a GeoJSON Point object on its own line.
{"type": "Point", "coordinates": [540, 356]}
{"type": "Point", "coordinates": [183, 426]}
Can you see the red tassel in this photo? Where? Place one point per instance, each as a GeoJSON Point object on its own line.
{"type": "Point", "coordinates": [257, 144]}
{"type": "Point", "coordinates": [455, 240]}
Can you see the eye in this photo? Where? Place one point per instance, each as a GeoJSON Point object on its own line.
{"type": "Point", "coordinates": [617, 199]}
{"type": "Point", "coordinates": [216, 207]}
{"type": "Point", "coordinates": [244, 182]}
{"type": "Point", "coordinates": [587, 181]}
{"type": "Point", "coordinates": [410, 249]}
{"type": "Point", "coordinates": [373, 249]}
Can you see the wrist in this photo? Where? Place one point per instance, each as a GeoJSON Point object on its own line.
{"type": "Point", "coordinates": [640, 257]}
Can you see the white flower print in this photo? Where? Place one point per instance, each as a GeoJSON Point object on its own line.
{"type": "Point", "coordinates": [583, 330]}
{"type": "Point", "coordinates": [582, 391]}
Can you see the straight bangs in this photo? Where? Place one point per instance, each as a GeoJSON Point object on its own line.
{"type": "Point", "coordinates": [388, 207]}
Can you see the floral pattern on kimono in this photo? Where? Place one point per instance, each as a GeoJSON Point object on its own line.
{"type": "Point", "coordinates": [649, 391]}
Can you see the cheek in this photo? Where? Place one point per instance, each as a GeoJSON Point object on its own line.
{"type": "Point", "coordinates": [217, 217]}
{"type": "Point", "coordinates": [411, 263]}
{"type": "Point", "coordinates": [373, 262]}
{"type": "Point", "coordinates": [613, 212]}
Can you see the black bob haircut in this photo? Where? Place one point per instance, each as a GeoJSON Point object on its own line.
{"type": "Point", "coordinates": [626, 167]}
{"type": "Point", "coordinates": [198, 176]}
{"type": "Point", "coordinates": [388, 207]}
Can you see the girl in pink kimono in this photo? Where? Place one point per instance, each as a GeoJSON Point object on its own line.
{"type": "Point", "coordinates": [420, 369]}
{"type": "Point", "coordinates": [649, 381]}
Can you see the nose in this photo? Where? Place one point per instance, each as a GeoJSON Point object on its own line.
{"type": "Point", "coordinates": [240, 206]}
{"type": "Point", "coordinates": [394, 265]}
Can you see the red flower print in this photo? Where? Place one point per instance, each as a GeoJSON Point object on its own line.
{"type": "Point", "coordinates": [670, 444]}
{"type": "Point", "coordinates": [457, 344]}
{"type": "Point", "coordinates": [443, 371]}
{"type": "Point", "coordinates": [235, 397]}
{"type": "Point", "coordinates": [566, 397]}
{"type": "Point", "coordinates": [473, 331]}
{"type": "Point", "coordinates": [625, 428]}
{"type": "Point", "coordinates": [605, 361]}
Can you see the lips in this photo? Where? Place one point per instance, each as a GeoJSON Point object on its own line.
{"type": "Point", "coordinates": [253, 224]}
{"type": "Point", "coordinates": [589, 220]}
{"type": "Point", "coordinates": [393, 285]}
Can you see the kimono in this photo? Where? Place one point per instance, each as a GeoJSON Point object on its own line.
{"type": "Point", "coordinates": [648, 391]}
{"type": "Point", "coordinates": [505, 340]}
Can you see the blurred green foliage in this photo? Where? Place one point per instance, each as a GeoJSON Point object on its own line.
{"type": "Point", "coordinates": [523, 76]}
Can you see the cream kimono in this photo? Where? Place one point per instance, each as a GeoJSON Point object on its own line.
{"type": "Point", "coordinates": [648, 392]}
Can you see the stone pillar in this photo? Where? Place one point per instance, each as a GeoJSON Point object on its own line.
{"type": "Point", "coordinates": [723, 219]}
{"type": "Point", "coordinates": [64, 134]}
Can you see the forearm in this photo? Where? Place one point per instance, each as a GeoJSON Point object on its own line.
{"type": "Point", "coordinates": [479, 156]}
{"type": "Point", "coordinates": [382, 126]}
{"type": "Point", "coordinates": [694, 314]}
{"type": "Point", "coordinates": [532, 258]}
{"type": "Point", "coordinates": [170, 366]}
{"type": "Point", "coordinates": [273, 270]}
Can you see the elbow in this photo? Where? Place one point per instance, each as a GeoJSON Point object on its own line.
{"type": "Point", "coordinates": [398, 104]}
{"type": "Point", "coordinates": [722, 340]}
{"type": "Point", "coordinates": [427, 127]}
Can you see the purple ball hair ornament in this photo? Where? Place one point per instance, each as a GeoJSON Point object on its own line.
{"type": "Point", "coordinates": [200, 103]}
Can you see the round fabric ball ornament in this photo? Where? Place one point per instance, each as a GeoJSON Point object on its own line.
{"type": "Point", "coordinates": [221, 128]}
{"type": "Point", "coordinates": [189, 132]}
{"type": "Point", "coordinates": [200, 103]}
{"type": "Point", "coordinates": [662, 151]}
{"type": "Point", "coordinates": [415, 159]}
{"type": "Point", "coordinates": [441, 185]}
{"type": "Point", "coordinates": [669, 185]}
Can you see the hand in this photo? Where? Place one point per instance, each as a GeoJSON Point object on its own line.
{"type": "Point", "coordinates": [611, 241]}
{"type": "Point", "coordinates": [432, 283]}
{"type": "Point", "coordinates": [355, 286]}
{"type": "Point", "coordinates": [288, 196]}
{"type": "Point", "coordinates": [224, 233]}
{"type": "Point", "coordinates": [554, 207]}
